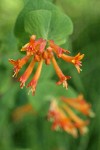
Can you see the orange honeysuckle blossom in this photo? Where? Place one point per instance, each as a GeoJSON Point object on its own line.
{"type": "Point", "coordinates": [27, 73]}
{"type": "Point", "coordinates": [76, 60]}
{"type": "Point", "coordinates": [41, 51]}
{"type": "Point", "coordinates": [80, 104]}
{"type": "Point", "coordinates": [33, 82]}
{"type": "Point", "coordinates": [62, 77]}
{"type": "Point", "coordinates": [62, 115]}
{"type": "Point", "coordinates": [78, 122]}
{"type": "Point", "coordinates": [60, 119]}
{"type": "Point", "coordinates": [58, 50]}
{"type": "Point", "coordinates": [18, 64]}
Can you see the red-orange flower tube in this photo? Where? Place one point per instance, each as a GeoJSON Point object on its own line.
{"type": "Point", "coordinates": [63, 115]}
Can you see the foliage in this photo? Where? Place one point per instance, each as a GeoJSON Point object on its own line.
{"type": "Point", "coordinates": [51, 20]}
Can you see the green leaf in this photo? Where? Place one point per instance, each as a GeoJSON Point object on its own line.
{"type": "Point", "coordinates": [42, 24]}
{"type": "Point", "coordinates": [47, 90]}
{"type": "Point", "coordinates": [30, 6]}
{"type": "Point", "coordinates": [45, 20]}
{"type": "Point", "coordinates": [8, 98]}
{"type": "Point", "coordinates": [47, 72]}
{"type": "Point", "coordinates": [37, 22]}
{"type": "Point", "coordinates": [60, 28]}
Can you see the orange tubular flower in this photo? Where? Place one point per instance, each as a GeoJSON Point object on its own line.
{"type": "Point", "coordinates": [64, 117]}
{"type": "Point", "coordinates": [79, 123]}
{"type": "Point", "coordinates": [58, 50]}
{"type": "Point", "coordinates": [60, 119]}
{"type": "Point", "coordinates": [74, 60]}
{"type": "Point", "coordinates": [27, 73]}
{"type": "Point", "coordinates": [80, 104]}
{"type": "Point", "coordinates": [41, 50]}
{"type": "Point", "coordinates": [18, 64]}
{"type": "Point", "coordinates": [29, 46]}
{"type": "Point", "coordinates": [61, 76]}
{"type": "Point", "coordinates": [35, 78]}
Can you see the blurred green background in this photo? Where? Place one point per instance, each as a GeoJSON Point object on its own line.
{"type": "Point", "coordinates": [33, 132]}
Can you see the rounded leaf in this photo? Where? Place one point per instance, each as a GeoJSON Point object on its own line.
{"type": "Point", "coordinates": [37, 22]}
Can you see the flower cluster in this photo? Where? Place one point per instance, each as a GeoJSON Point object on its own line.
{"type": "Point", "coordinates": [41, 51]}
{"type": "Point", "coordinates": [64, 116]}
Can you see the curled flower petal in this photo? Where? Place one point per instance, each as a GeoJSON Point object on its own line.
{"type": "Point", "coordinates": [33, 82]}
{"type": "Point", "coordinates": [62, 77]}
{"type": "Point", "coordinates": [18, 64]}
{"type": "Point", "coordinates": [29, 46]}
{"type": "Point", "coordinates": [34, 46]}
{"type": "Point", "coordinates": [74, 60]}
